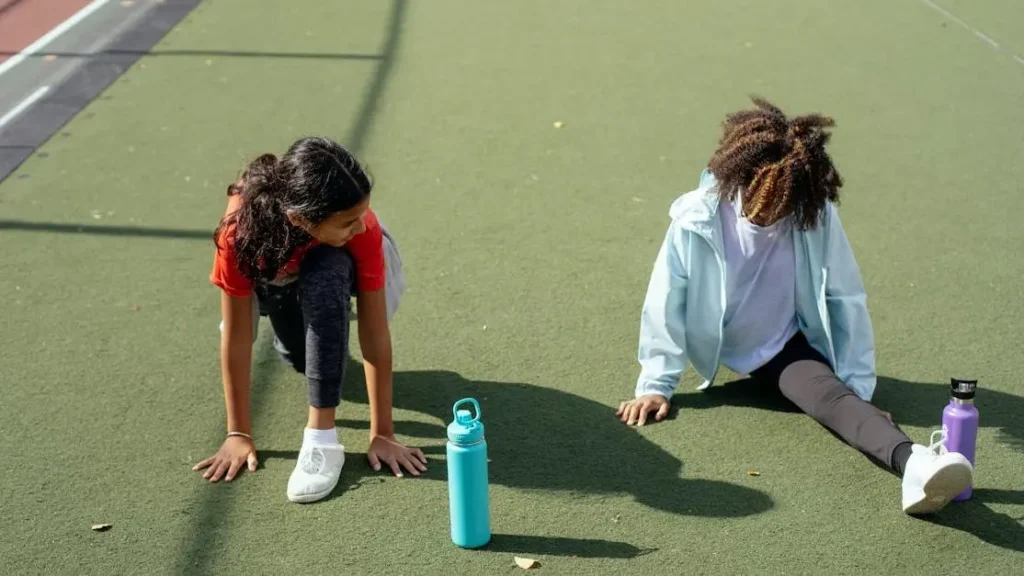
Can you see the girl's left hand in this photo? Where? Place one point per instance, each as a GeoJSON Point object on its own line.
{"type": "Point", "coordinates": [389, 451]}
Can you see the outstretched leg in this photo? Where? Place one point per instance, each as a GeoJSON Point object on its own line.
{"type": "Point", "coordinates": [931, 477]}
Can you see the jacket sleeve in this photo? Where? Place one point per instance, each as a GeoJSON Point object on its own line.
{"type": "Point", "coordinates": [850, 324]}
{"type": "Point", "coordinates": [662, 350]}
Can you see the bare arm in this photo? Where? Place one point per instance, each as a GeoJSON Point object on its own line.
{"type": "Point", "coordinates": [236, 356]}
{"type": "Point", "coordinates": [236, 360]}
{"type": "Point", "coordinates": [375, 343]}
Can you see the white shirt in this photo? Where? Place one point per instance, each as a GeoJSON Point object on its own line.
{"type": "Point", "coordinates": [760, 285]}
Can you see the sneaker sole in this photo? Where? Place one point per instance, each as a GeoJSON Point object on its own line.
{"type": "Point", "coordinates": [952, 479]}
{"type": "Point", "coordinates": [310, 498]}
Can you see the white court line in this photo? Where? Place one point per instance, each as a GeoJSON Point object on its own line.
{"type": "Point", "coordinates": [988, 39]}
{"type": "Point", "coordinates": [51, 35]}
{"type": "Point", "coordinates": [23, 105]}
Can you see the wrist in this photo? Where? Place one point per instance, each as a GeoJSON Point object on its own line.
{"type": "Point", "coordinates": [382, 424]}
{"type": "Point", "coordinates": [235, 424]}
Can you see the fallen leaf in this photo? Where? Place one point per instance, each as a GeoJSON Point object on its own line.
{"type": "Point", "coordinates": [615, 520]}
{"type": "Point", "coordinates": [127, 3]}
{"type": "Point", "coordinates": [101, 527]}
{"type": "Point", "coordinates": [558, 124]}
{"type": "Point", "coordinates": [527, 563]}
{"type": "Point", "coordinates": [136, 307]}
{"type": "Point", "coordinates": [753, 473]}
{"type": "Point", "coordinates": [50, 57]}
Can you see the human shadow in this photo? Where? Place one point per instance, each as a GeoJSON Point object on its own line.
{"type": "Point", "coordinates": [910, 403]}
{"type": "Point", "coordinates": [914, 404]}
{"type": "Point", "coordinates": [921, 404]}
{"type": "Point", "coordinates": [546, 439]}
{"type": "Point", "coordinates": [743, 392]}
{"type": "Point", "coordinates": [975, 517]}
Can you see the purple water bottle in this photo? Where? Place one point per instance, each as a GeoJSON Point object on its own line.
{"type": "Point", "coordinates": [960, 424]}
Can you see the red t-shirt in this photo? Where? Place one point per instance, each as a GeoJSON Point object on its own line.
{"type": "Point", "coordinates": [366, 248]}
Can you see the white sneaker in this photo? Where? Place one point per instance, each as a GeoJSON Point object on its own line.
{"type": "Point", "coordinates": [934, 476]}
{"type": "Point", "coordinates": [316, 473]}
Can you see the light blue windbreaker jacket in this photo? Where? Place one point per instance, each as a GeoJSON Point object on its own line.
{"type": "Point", "coordinates": [681, 321]}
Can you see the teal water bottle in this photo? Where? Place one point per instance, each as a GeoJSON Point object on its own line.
{"type": "Point", "coordinates": [468, 498]}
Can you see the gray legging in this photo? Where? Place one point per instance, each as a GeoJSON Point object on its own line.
{"type": "Point", "coordinates": [805, 378]}
{"type": "Point", "coordinates": [310, 317]}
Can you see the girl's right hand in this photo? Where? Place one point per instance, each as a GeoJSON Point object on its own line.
{"type": "Point", "coordinates": [635, 411]}
{"type": "Point", "coordinates": [234, 452]}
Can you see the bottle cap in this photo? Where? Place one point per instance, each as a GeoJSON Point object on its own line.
{"type": "Point", "coordinates": [467, 427]}
{"type": "Point", "coordinates": [963, 389]}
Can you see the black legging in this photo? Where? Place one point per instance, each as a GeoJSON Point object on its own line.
{"type": "Point", "coordinates": [311, 319]}
{"type": "Point", "coordinates": [805, 378]}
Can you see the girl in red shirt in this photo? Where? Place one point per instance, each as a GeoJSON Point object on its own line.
{"type": "Point", "coordinates": [297, 240]}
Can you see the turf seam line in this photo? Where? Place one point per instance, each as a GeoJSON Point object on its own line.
{"type": "Point", "coordinates": [977, 32]}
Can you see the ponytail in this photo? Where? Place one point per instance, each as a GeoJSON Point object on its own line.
{"type": "Point", "coordinates": [264, 238]}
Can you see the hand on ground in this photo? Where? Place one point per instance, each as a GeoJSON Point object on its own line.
{"type": "Point", "coordinates": [234, 453]}
{"type": "Point", "coordinates": [387, 450]}
{"type": "Point", "coordinates": [635, 411]}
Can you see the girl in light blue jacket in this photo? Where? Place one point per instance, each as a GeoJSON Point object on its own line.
{"type": "Point", "coordinates": [755, 273]}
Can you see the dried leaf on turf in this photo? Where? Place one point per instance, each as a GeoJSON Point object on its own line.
{"type": "Point", "coordinates": [753, 473]}
{"type": "Point", "coordinates": [527, 563]}
{"type": "Point", "coordinates": [101, 527]}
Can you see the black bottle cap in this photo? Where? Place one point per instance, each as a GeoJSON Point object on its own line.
{"type": "Point", "coordinates": [963, 389]}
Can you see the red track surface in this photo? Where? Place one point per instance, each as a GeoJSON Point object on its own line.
{"type": "Point", "coordinates": [22, 22]}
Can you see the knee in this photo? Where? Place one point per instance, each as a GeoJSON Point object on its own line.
{"type": "Point", "coordinates": [811, 384]}
{"type": "Point", "coordinates": [327, 265]}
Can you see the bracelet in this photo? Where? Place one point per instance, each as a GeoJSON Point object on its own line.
{"type": "Point", "coordinates": [237, 433]}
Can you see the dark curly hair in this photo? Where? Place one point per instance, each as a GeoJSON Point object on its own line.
{"type": "Point", "coordinates": [779, 164]}
{"type": "Point", "coordinates": [315, 178]}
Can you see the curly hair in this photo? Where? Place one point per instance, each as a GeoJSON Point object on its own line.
{"type": "Point", "coordinates": [315, 178]}
{"type": "Point", "coordinates": [778, 164]}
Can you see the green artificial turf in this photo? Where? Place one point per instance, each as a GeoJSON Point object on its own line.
{"type": "Point", "coordinates": [528, 249]}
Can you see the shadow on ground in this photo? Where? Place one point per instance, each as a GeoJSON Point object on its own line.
{"type": "Point", "coordinates": [914, 404]}
{"type": "Point", "coordinates": [911, 403]}
{"type": "Point", "coordinates": [544, 439]}
{"type": "Point", "coordinates": [536, 440]}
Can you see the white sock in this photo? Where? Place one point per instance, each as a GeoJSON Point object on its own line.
{"type": "Point", "coordinates": [314, 437]}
